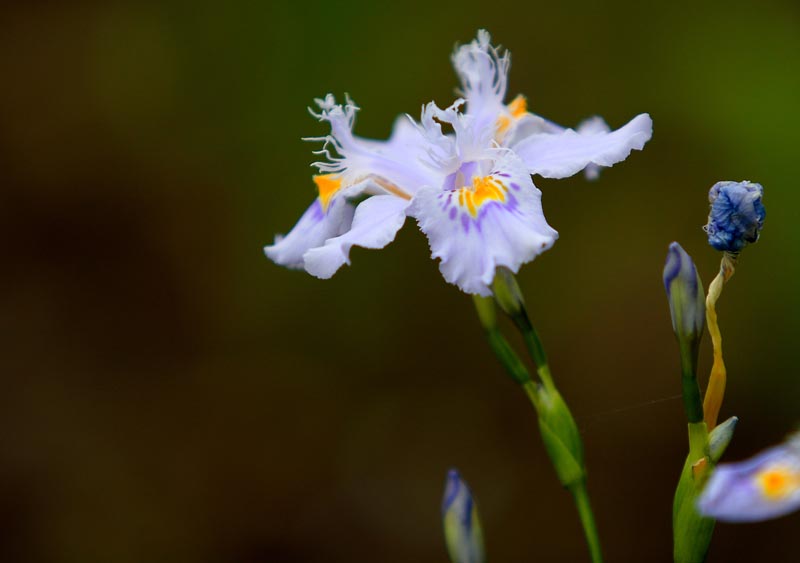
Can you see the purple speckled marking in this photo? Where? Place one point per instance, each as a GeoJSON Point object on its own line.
{"type": "Point", "coordinates": [446, 200]}
{"type": "Point", "coordinates": [514, 186]}
{"type": "Point", "coordinates": [503, 174]}
{"type": "Point", "coordinates": [511, 205]}
{"type": "Point", "coordinates": [453, 212]}
{"type": "Point", "coordinates": [465, 222]}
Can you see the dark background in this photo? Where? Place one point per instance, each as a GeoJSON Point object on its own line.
{"type": "Point", "coordinates": [169, 395]}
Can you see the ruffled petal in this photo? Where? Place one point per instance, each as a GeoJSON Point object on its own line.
{"type": "Point", "coordinates": [445, 152]}
{"type": "Point", "coordinates": [497, 221]}
{"type": "Point", "coordinates": [528, 125]}
{"type": "Point", "coordinates": [563, 154]}
{"type": "Point", "coordinates": [484, 78]}
{"type": "Point", "coordinates": [329, 216]}
{"type": "Point", "coordinates": [592, 126]}
{"type": "Point", "coordinates": [375, 225]}
{"type": "Point", "coordinates": [315, 226]}
{"type": "Point", "coordinates": [394, 164]}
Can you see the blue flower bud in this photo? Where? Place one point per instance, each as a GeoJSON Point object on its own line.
{"type": "Point", "coordinates": [462, 527]}
{"type": "Point", "coordinates": [685, 294]}
{"type": "Point", "coordinates": [737, 215]}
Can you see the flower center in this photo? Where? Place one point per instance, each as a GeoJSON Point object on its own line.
{"type": "Point", "coordinates": [484, 189]}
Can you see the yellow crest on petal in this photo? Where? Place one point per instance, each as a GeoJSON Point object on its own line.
{"type": "Point", "coordinates": [327, 186]}
{"type": "Point", "coordinates": [485, 188]}
{"type": "Point", "coordinates": [518, 107]}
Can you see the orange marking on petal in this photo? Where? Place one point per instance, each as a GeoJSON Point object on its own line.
{"type": "Point", "coordinates": [327, 186]}
{"type": "Point", "coordinates": [518, 107]}
{"type": "Point", "coordinates": [777, 482]}
{"type": "Point", "coordinates": [503, 123]}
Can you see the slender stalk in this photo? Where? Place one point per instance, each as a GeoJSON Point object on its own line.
{"type": "Point", "coordinates": [692, 532]}
{"type": "Point", "coordinates": [581, 496]}
{"type": "Point", "coordinates": [579, 492]}
{"type": "Point", "coordinates": [531, 389]}
{"type": "Point", "coordinates": [535, 348]}
{"type": "Point", "coordinates": [692, 401]}
{"type": "Point", "coordinates": [559, 432]}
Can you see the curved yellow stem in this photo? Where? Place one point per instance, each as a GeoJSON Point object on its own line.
{"type": "Point", "coordinates": [718, 378]}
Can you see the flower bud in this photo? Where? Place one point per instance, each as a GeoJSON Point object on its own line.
{"type": "Point", "coordinates": [507, 293]}
{"type": "Point", "coordinates": [720, 438]}
{"type": "Point", "coordinates": [686, 300]}
{"type": "Point", "coordinates": [737, 215]}
{"type": "Point", "coordinates": [561, 436]}
{"type": "Point", "coordinates": [462, 527]}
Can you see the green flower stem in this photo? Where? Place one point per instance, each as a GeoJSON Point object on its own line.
{"type": "Point", "coordinates": [576, 485]}
{"type": "Point", "coordinates": [559, 431]}
{"type": "Point", "coordinates": [698, 442]}
{"type": "Point", "coordinates": [533, 391]}
{"type": "Point", "coordinates": [497, 342]}
{"type": "Point", "coordinates": [692, 401]}
{"type": "Point", "coordinates": [535, 348]}
{"type": "Point", "coordinates": [509, 297]}
{"type": "Point", "coordinates": [581, 496]}
{"type": "Point", "coordinates": [692, 532]}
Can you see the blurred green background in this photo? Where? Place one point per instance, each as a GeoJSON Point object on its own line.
{"type": "Point", "coordinates": [169, 395]}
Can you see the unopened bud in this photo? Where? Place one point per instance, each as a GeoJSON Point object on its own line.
{"type": "Point", "coordinates": [686, 300]}
{"type": "Point", "coordinates": [561, 437]}
{"type": "Point", "coordinates": [736, 216]}
{"type": "Point", "coordinates": [720, 437]}
{"type": "Point", "coordinates": [462, 527]}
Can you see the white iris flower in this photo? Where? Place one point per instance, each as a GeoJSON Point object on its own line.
{"type": "Point", "coordinates": [469, 187]}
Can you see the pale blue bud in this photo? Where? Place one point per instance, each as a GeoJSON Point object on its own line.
{"type": "Point", "coordinates": [720, 438]}
{"type": "Point", "coordinates": [685, 294]}
{"type": "Point", "coordinates": [462, 526]}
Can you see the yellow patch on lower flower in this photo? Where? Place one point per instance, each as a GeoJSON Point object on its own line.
{"type": "Point", "coordinates": [778, 482]}
{"type": "Point", "coordinates": [327, 186]}
{"type": "Point", "coordinates": [485, 188]}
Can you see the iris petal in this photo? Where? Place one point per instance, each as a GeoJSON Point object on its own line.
{"type": "Point", "coordinates": [763, 487]}
{"type": "Point", "coordinates": [498, 221]}
{"type": "Point", "coordinates": [563, 154]}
